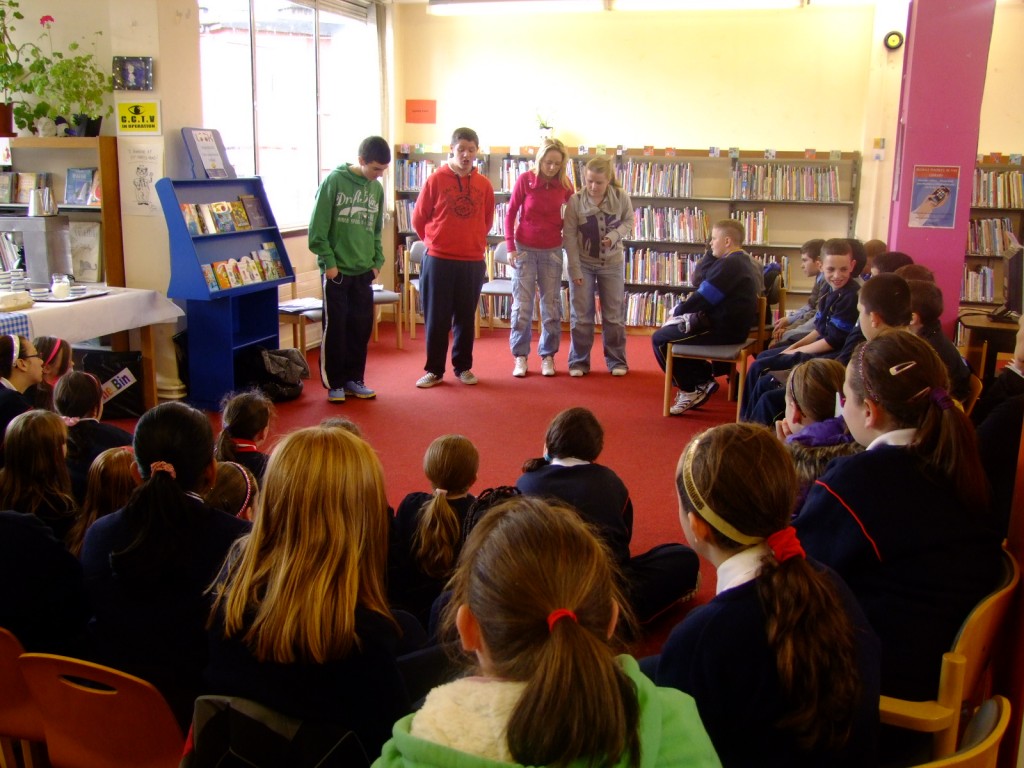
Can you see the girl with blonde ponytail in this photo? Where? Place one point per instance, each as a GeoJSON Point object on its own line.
{"type": "Point", "coordinates": [535, 601]}
{"type": "Point", "coordinates": [782, 663]}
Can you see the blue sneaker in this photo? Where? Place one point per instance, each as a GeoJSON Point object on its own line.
{"type": "Point", "coordinates": [360, 390]}
{"type": "Point", "coordinates": [336, 396]}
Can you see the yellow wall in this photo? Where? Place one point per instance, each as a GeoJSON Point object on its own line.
{"type": "Point", "coordinates": [1002, 108]}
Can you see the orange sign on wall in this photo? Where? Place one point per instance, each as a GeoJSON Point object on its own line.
{"type": "Point", "coordinates": [420, 111]}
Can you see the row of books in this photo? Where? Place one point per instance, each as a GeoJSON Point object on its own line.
{"type": "Point", "coordinates": [498, 226]}
{"type": "Point", "coordinates": [83, 187]}
{"type": "Point", "coordinates": [224, 216]}
{"type": "Point", "coordinates": [643, 308]}
{"type": "Point", "coordinates": [763, 181]}
{"type": "Point", "coordinates": [411, 175]}
{"type": "Point", "coordinates": [680, 225]}
{"type": "Point", "coordinates": [998, 189]}
{"type": "Point", "coordinates": [511, 169]}
{"type": "Point", "coordinates": [978, 285]}
{"type": "Point", "coordinates": [644, 265]}
{"type": "Point", "coordinates": [255, 267]}
{"type": "Point", "coordinates": [756, 225]}
{"type": "Point", "coordinates": [17, 187]}
{"type": "Point", "coordinates": [988, 237]}
{"type": "Point", "coordinates": [650, 179]}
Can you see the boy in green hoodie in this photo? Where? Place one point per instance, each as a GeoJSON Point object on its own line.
{"type": "Point", "coordinates": [344, 233]}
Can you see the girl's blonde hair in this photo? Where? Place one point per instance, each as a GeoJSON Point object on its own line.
{"type": "Point", "coordinates": [109, 486]}
{"type": "Point", "coordinates": [450, 463]}
{"type": "Point", "coordinates": [525, 560]}
{"type": "Point", "coordinates": [812, 386]}
{"type": "Point", "coordinates": [554, 145]}
{"type": "Point", "coordinates": [603, 164]}
{"type": "Point", "coordinates": [35, 473]}
{"type": "Point", "coordinates": [317, 551]}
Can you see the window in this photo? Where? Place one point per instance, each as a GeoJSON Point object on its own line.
{"type": "Point", "coordinates": [259, 69]}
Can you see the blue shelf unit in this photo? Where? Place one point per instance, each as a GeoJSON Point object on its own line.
{"type": "Point", "coordinates": [222, 323]}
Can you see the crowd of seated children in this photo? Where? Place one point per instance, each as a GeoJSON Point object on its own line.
{"type": "Point", "coordinates": [798, 323]}
{"type": "Point", "coordinates": [148, 566]}
{"type": "Point", "coordinates": [810, 429]}
{"type": "Point", "coordinates": [34, 479]}
{"type": "Point", "coordinates": [652, 581]}
{"type": "Point", "coordinates": [926, 308]}
{"type": "Point", "coordinates": [21, 366]}
{"type": "Point", "coordinates": [427, 529]}
{"type": "Point", "coordinates": [235, 490]}
{"type": "Point", "coordinates": [782, 662]}
{"type": "Point", "coordinates": [245, 424]}
{"type": "Point", "coordinates": [883, 302]}
{"type": "Point", "coordinates": [78, 398]}
{"type": "Point", "coordinates": [889, 261]}
{"type": "Point", "coordinates": [108, 487]}
{"type": "Point", "coordinates": [535, 605]}
{"type": "Point", "coordinates": [300, 621]}
{"type": "Point", "coordinates": [56, 356]}
{"type": "Point", "coordinates": [906, 523]}
{"type": "Point", "coordinates": [833, 322]}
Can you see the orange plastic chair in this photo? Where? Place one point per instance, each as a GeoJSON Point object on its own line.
{"type": "Point", "coordinates": [980, 749]}
{"type": "Point", "coordinates": [97, 717]}
{"type": "Point", "coordinates": [973, 393]}
{"type": "Point", "coordinates": [963, 672]}
{"type": "Point", "coordinates": [20, 720]}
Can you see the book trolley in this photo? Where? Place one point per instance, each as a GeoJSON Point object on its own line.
{"type": "Point", "coordinates": [222, 321]}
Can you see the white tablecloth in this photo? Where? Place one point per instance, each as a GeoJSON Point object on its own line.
{"type": "Point", "coordinates": [120, 310]}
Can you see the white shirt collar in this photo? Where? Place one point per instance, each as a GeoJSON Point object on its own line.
{"type": "Point", "coordinates": [7, 384]}
{"type": "Point", "coordinates": [895, 437]}
{"type": "Point", "coordinates": [568, 461]}
{"type": "Point", "coordinates": [741, 567]}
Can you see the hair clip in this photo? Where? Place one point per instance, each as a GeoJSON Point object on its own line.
{"type": "Point", "coordinates": [899, 368]}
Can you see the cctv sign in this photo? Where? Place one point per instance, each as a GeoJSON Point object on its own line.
{"type": "Point", "coordinates": [138, 118]}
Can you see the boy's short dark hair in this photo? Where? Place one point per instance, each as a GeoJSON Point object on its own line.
{"type": "Point", "coordinates": [859, 256]}
{"type": "Point", "coordinates": [837, 246]}
{"type": "Point", "coordinates": [375, 149]}
{"type": "Point", "coordinates": [890, 261]}
{"type": "Point", "coordinates": [888, 296]}
{"type": "Point", "coordinates": [915, 272]}
{"type": "Point", "coordinates": [467, 134]}
{"type": "Point", "coordinates": [813, 248]}
{"type": "Point", "coordinates": [925, 300]}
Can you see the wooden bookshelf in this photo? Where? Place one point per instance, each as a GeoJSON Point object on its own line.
{"type": "Point", "coordinates": [997, 206]}
{"type": "Point", "coordinates": [677, 196]}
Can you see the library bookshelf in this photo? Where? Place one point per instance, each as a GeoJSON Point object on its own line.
{"type": "Point", "coordinates": [997, 208]}
{"type": "Point", "coordinates": [677, 195]}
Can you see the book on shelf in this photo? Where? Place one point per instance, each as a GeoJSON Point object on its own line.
{"type": "Point", "coordinates": [206, 219]}
{"type": "Point", "coordinates": [96, 190]}
{"type": "Point", "coordinates": [238, 215]}
{"type": "Point", "coordinates": [251, 270]}
{"type": "Point", "coordinates": [85, 250]}
{"type": "Point", "coordinates": [29, 181]}
{"type": "Point", "coordinates": [222, 218]}
{"type": "Point", "coordinates": [211, 277]}
{"type": "Point", "coordinates": [192, 218]}
{"type": "Point", "coordinates": [272, 264]}
{"type": "Point", "coordinates": [254, 212]}
{"type": "Point", "coordinates": [8, 186]}
{"type": "Point", "coordinates": [78, 186]}
{"type": "Point", "coordinates": [234, 274]}
{"type": "Point", "coordinates": [220, 271]}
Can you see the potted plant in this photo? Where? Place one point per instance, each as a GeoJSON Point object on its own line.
{"type": "Point", "coordinates": [70, 85]}
{"type": "Point", "coordinates": [13, 59]}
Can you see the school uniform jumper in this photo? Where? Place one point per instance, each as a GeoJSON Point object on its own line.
{"type": "Point", "coordinates": [916, 560]}
{"type": "Point", "coordinates": [801, 321]}
{"type": "Point", "coordinates": [727, 294]}
{"type": "Point", "coordinates": [463, 725]}
{"type": "Point", "coordinates": [533, 229]}
{"type": "Point", "coordinates": [959, 373]}
{"type": "Point", "coordinates": [836, 318]}
{"type": "Point", "coordinates": [655, 579]}
{"type": "Point", "coordinates": [602, 270]}
{"type": "Point", "coordinates": [344, 232]}
{"type": "Point", "coordinates": [87, 439]}
{"type": "Point", "coordinates": [453, 215]}
{"type": "Point", "coordinates": [720, 655]}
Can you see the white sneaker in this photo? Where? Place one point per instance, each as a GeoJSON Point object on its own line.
{"type": "Point", "coordinates": [467, 377]}
{"type": "Point", "coordinates": [520, 369]}
{"type": "Point", "coordinates": [547, 366]}
{"type": "Point", "coordinates": [687, 400]}
{"type": "Point", "coordinates": [428, 380]}
{"type": "Point", "coordinates": [620, 370]}
{"type": "Point", "coordinates": [576, 372]}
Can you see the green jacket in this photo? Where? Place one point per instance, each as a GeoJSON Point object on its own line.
{"type": "Point", "coordinates": [348, 216]}
{"type": "Point", "coordinates": [671, 734]}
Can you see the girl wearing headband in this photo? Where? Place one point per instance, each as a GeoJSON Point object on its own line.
{"type": "Point", "coordinates": [148, 566]}
{"type": "Point", "coordinates": [235, 490]}
{"type": "Point", "coordinates": [535, 601]}
{"type": "Point", "coordinates": [905, 523]}
{"type": "Point", "coordinates": [56, 356]}
{"type": "Point", "coordinates": [782, 662]}
{"type": "Point", "coordinates": [426, 533]}
{"type": "Point", "coordinates": [21, 367]}
{"type": "Point", "coordinates": [78, 399]}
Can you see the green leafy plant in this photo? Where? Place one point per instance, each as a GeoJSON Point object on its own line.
{"type": "Point", "coordinates": [13, 56]}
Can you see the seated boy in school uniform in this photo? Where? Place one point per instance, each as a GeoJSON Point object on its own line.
{"type": "Point", "coordinates": [835, 318]}
{"type": "Point", "coordinates": [797, 324]}
{"type": "Point", "coordinates": [926, 310]}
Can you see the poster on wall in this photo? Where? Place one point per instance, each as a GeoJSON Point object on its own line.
{"type": "Point", "coordinates": [138, 118]}
{"type": "Point", "coordinates": [140, 163]}
{"type": "Point", "coordinates": [933, 196]}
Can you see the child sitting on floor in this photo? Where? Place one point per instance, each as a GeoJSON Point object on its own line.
{"type": "Point", "coordinates": [245, 424]}
{"type": "Point", "coordinates": [56, 356]}
{"type": "Point", "coordinates": [235, 490]}
{"type": "Point", "coordinates": [108, 487]}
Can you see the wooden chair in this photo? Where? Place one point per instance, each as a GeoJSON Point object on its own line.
{"type": "Point", "coordinates": [973, 393]}
{"type": "Point", "coordinates": [980, 745]}
{"type": "Point", "coordinates": [495, 286]}
{"type": "Point", "coordinates": [97, 717]}
{"type": "Point", "coordinates": [963, 670]}
{"type": "Point", "coordinates": [734, 354]}
{"type": "Point", "coordinates": [20, 720]}
{"type": "Point", "coordinates": [413, 256]}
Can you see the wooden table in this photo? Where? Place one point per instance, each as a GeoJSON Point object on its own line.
{"type": "Point", "coordinates": [1001, 336]}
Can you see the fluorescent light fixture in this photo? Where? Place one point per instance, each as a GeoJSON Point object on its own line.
{"type": "Point", "coordinates": [506, 7]}
{"type": "Point", "coordinates": [704, 5]}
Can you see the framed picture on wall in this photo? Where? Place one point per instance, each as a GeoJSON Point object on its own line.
{"type": "Point", "coordinates": [133, 73]}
